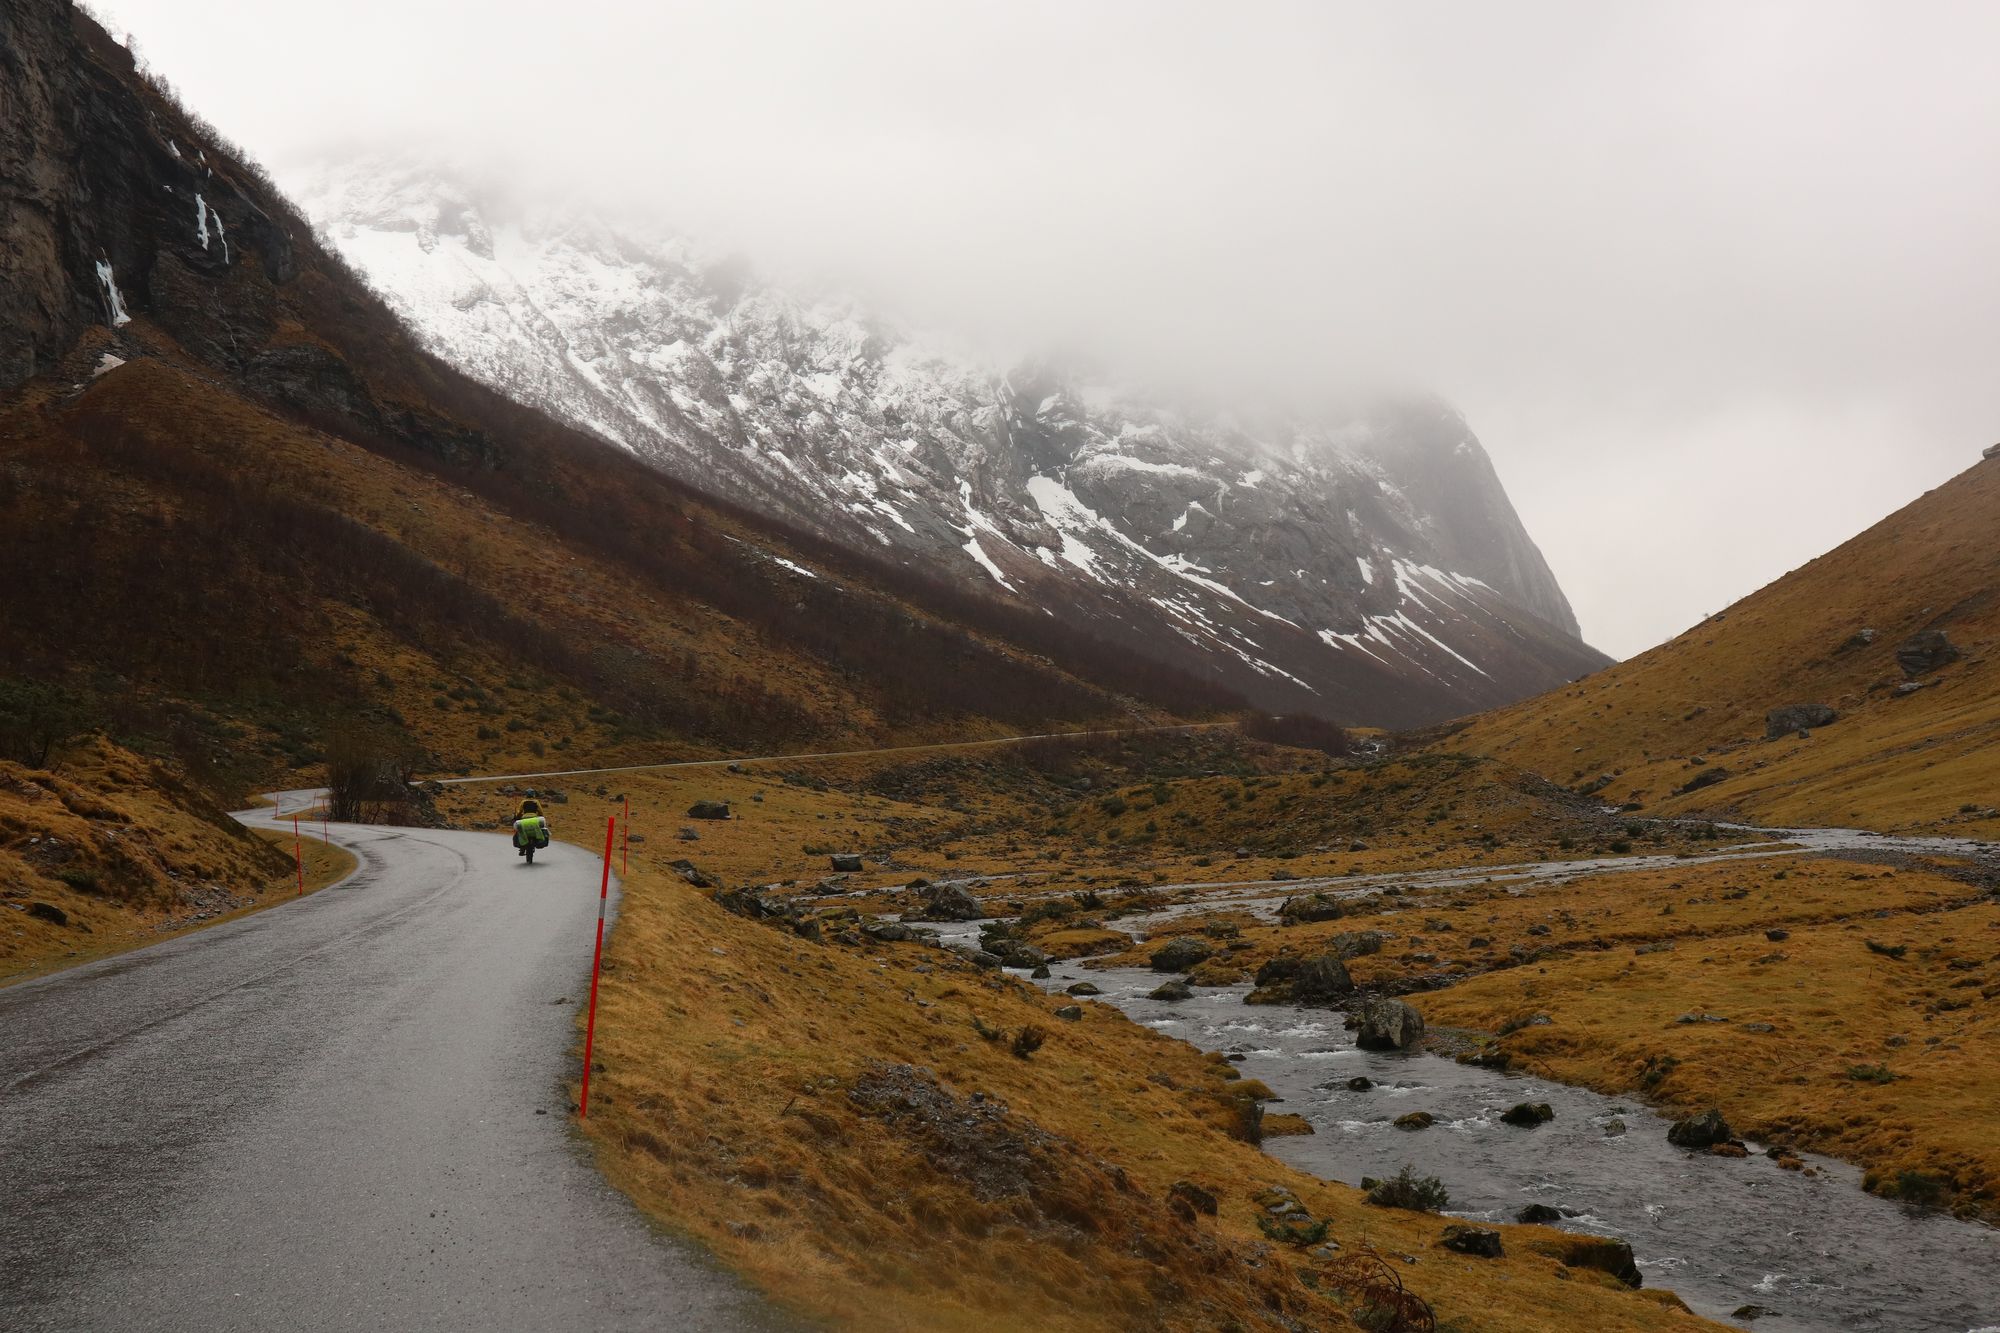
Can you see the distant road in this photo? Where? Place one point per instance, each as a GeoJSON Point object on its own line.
{"type": "Point", "coordinates": [835, 754]}
{"type": "Point", "coordinates": [342, 1113]}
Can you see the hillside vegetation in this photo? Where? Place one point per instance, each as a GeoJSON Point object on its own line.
{"type": "Point", "coordinates": [1896, 757]}
{"type": "Point", "coordinates": [248, 522]}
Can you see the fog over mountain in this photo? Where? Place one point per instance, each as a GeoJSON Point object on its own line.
{"type": "Point", "coordinates": [1712, 283]}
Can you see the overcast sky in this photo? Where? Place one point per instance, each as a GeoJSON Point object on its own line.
{"type": "Point", "coordinates": [1718, 285]}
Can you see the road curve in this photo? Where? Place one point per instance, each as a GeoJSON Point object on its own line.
{"type": "Point", "coordinates": [345, 1112]}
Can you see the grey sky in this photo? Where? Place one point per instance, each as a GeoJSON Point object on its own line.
{"type": "Point", "coordinates": [1717, 284]}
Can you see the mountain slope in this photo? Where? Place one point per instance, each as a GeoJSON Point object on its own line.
{"type": "Point", "coordinates": [1914, 740]}
{"type": "Point", "coordinates": [246, 517]}
{"type": "Point", "coordinates": [1366, 566]}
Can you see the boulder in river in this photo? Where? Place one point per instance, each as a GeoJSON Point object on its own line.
{"type": "Point", "coordinates": [1481, 1242]}
{"type": "Point", "coordinates": [1321, 980]}
{"type": "Point", "coordinates": [1389, 1025]}
{"type": "Point", "coordinates": [1539, 1214]}
{"type": "Point", "coordinates": [1360, 1083]}
{"type": "Point", "coordinates": [1700, 1131]}
{"type": "Point", "coordinates": [1083, 988]}
{"type": "Point", "coordinates": [949, 902]}
{"type": "Point", "coordinates": [1171, 990]}
{"type": "Point", "coordinates": [1926, 651]}
{"type": "Point", "coordinates": [1310, 907]}
{"type": "Point", "coordinates": [1416, 1120]}
{"type": "Point", "coordinates": [1528, 1114]}
{"type": "Point", "coordinates": [1797, 717]}
{"type": "Point", "coordinates": [1181, 954]}
{"type": "Point", "coordinates": [1355, 944]}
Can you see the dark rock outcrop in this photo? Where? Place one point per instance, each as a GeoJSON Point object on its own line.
{"type": "Point", "coordinates": [1700, 1131]}
{"type": "Point", "coordinates": [1481, 1242]}
{"type": "Point", "coordinates": [708, 810]}
{"type": "Point", "coordinates": [1320, 981]}
{"type": "Point", "coordinates": [949, 902]}
{"type": "Point", "coordinates": [1926, 651]}
{"type": "Point", "coordinates": [1389, 1025]}
{"type": "Point", "coordinates": [1181, 954]}
{"type": "Point", "coordinates": [1797, 717]}
{"type": "Point", "coordinates": [1708, 777]}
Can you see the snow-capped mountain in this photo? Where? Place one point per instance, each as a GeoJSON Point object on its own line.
{"type": "Point", "coordinates": [1367, 567]}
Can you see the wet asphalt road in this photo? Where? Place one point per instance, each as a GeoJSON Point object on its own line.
{"type": "Point", "coordinates": [346, 1112]}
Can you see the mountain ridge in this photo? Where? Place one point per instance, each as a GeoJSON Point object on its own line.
{"type": "Point", "coordinates": [1246, 551]}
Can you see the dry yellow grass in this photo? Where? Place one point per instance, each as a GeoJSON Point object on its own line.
{"type": "Point", "coordinates": [129, 854]}
{"type": "Point", "coordinates": [1889, 762]}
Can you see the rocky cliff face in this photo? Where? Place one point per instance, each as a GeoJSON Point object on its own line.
{"type": "Point", "coordinates": [1366, 565]}
{"type": "Point", "coordinates": [109, 206]}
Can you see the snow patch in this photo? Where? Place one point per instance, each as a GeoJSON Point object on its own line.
{"type": "Point", "coordinates": [972, 549]}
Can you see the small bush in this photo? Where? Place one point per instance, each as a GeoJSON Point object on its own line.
{"type": "Point", "coordinates": [1887, 950]}
{"type": "Point", "coordinates": [1029, 1040]}
{"type": "Point", "coordinates": [1871, 1074]}
{"type": "Point", "coordinates": [1918, 1188]}
{"type": "Point", "coordinates": [80, 879]}
{"type": "Point", "coordinates": [1408, 1190]}
{"type": "Point", "coordinates": [1620, 847]}
{"type": "Point", "coordinates": [1113, 806]}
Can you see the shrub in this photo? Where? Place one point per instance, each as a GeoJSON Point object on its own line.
{"type": "Point", "coordinates": [37, 719]}
{"type": "Point", "coordinates": [1374, 1294]}
{"type": "Point", "coordinates": [1029, 1040]}
{"type": "Point", "coordinates": [1408, 1190]}
{"type": "Point", "coordinates": [1620, 847]}
{"type": "Point", "coordinates": [1871, 1074]}
{"type": "Point", "coordinates": [1887, 950]}
{"type": "Point", "coordinates": [80, 879]}
{"type": "Point", "coordinates": [368, 774]}
{"type": "Point", "coordinates": [1918, 1188]}
{"type": "Point", "coordinates": [1113, 806]}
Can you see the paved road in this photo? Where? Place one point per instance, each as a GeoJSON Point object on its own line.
{"type": "Point", "coordinates": [346, 1112]}
{"type": "Point", "coordinates": [837, 754]}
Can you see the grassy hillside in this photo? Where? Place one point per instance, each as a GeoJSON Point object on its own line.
{"type": "Point", "coordinates": [1894, 759]}
{"type": "Point", "coordinates": [247, 521]}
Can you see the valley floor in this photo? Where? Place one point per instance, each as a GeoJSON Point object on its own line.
{"type": "Point", "coordinates": [847, 1118]}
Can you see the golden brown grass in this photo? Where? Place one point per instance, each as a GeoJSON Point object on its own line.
{"type": "Point", "coordinates": [1889, 762]}
{"type": "Point", "coordinates": [129, 853]}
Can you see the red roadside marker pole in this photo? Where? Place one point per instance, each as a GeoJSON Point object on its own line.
{"type": "Point", "coordinates": [299, 856]}
{"type": "Point", "coordinates": [625, 839]}
{"type": "Point", "coordinates": [596, 961]}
